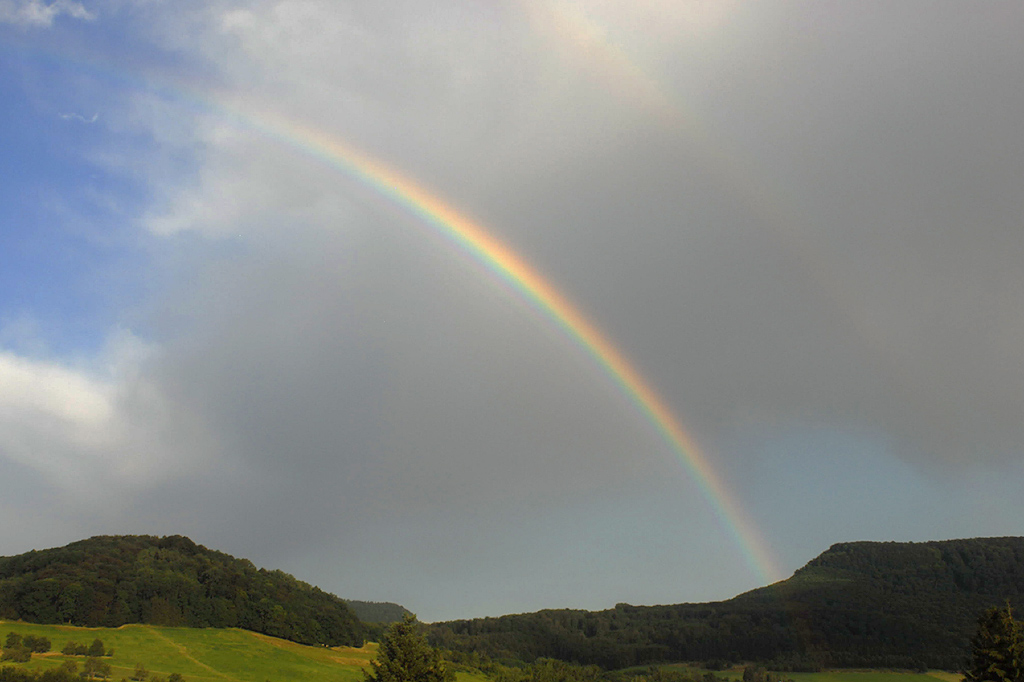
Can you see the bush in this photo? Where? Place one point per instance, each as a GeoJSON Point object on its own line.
{"type": "Point", "coordinates": [73, 648]}
{"type": "Point", "coordinates": [16, 655]}
{"type": "Point", "coordinates": [12, 674]}
{"type": "Point", "coordinates": [94, 667]}
{"type": "Point", "coordinates": [37, 645]}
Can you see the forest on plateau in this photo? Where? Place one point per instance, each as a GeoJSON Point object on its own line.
{"type": "Point", "coordinates": [859, 604]}
{"type": "Point", "coordinates": [113, 580]}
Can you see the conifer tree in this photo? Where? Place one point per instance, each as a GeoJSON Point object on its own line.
{"type": "Point", "coordinates": [405, 656]}
{"type": "Point", "coordinates": [997, 648]}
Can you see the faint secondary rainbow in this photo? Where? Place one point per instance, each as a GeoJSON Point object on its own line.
{"type": "Point", "coordinates": [504, 263]}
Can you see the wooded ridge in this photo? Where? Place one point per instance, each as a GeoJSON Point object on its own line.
{"type": "Point", "coordinates": [859, 604]}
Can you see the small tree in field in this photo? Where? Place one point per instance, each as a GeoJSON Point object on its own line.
{"type": "Point", "coordinates": [754, 674]}
{"type": "Point", "coordinates": [405, 656]}
{"type": "Point", "coordinates": [997, 648]}
{"type": "Point", "coordinates": [94, 667]}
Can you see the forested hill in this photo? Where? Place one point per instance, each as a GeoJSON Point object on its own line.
{"type": "Point", "coordinates": [113, 580]}
{"type": "Point", "coordinates": [858, 604]}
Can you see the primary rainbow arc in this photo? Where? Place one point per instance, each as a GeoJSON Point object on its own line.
{"type": "Point", "coordinates": [504, 263]}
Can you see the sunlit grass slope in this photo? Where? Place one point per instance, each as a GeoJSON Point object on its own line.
{"type": "Point", "coordinates": [202, 655]}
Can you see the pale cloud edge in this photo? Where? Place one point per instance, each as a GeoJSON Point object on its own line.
{"type": "Point", "coordinates": [72, 116]}
{"type": "Point", "coordinates": [37, 13]}
{"type": "Point", "coordinates": [97, 426]}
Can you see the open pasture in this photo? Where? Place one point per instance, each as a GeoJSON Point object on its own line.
{"type": "Point", "coordinates": [201, 655]}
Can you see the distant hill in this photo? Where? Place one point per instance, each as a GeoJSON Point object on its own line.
{"type": "Point", "coordinates": [859, 604]}
{"type": "Point", "coordinates": [113, 580]}
{"type": "Point", "coordinates": [378, 612]}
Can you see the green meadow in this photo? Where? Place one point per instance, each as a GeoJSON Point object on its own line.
{"type": "Point", "coordinates": [200, 655]}
{"type": "Point", "coordinates": [233, 655]}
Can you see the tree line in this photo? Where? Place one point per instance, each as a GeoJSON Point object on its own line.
{"type": "Point", "coordinates": [406, 656]}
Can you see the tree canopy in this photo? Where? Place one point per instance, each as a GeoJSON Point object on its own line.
{"type": "Point", "coordinates": [997, 648]}
{"type": "Point", "coordinates": [405, 656]}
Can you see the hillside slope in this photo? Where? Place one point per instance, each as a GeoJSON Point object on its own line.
{"type": "Point", "coordinates": [207, 655]}
{"type": "Point", "coordinates": [114, 580]}
{"type": "Point", "coordinates": [865, 604]}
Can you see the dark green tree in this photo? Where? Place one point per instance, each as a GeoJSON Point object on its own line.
{"type": "Point", "coordinates": [405, 656]}
{"type": "Point", "coordinates": [997, 648]}
{"type": "Point", "coordinates": [73, 648]}
{"type": "Point", "coordinates": [37, 645]}
{"type": "Point", "coordinates": [95, 667]}
{"type": "Point", "coordinates": [754, 673]}
{"type": "Point", "coordinates": [18, 654]}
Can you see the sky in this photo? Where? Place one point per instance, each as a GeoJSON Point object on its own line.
{"type": "Point", "coordinates": [484, 307]}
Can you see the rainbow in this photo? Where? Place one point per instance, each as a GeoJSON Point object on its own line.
{"type": "Point", "coordinates": [473, 240]}
{"type": "Point", "coordinates": [504, 263]}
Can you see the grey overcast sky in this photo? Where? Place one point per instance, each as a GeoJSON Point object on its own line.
{"type": "Point", "coordinates": [801, 222]}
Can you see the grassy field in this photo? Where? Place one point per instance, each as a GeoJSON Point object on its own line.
{"type": "Point", "coordinates": [207, 655]}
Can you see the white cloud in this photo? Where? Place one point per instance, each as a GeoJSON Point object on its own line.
{"type": "Point", "coordinates": [460, 97]}
{"type": "Point", "coordinates": [46, 389]}
{"type": "Point", "coordinates": [84, 429]}
{"type": "Point", "coordinates": [39, 13]}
